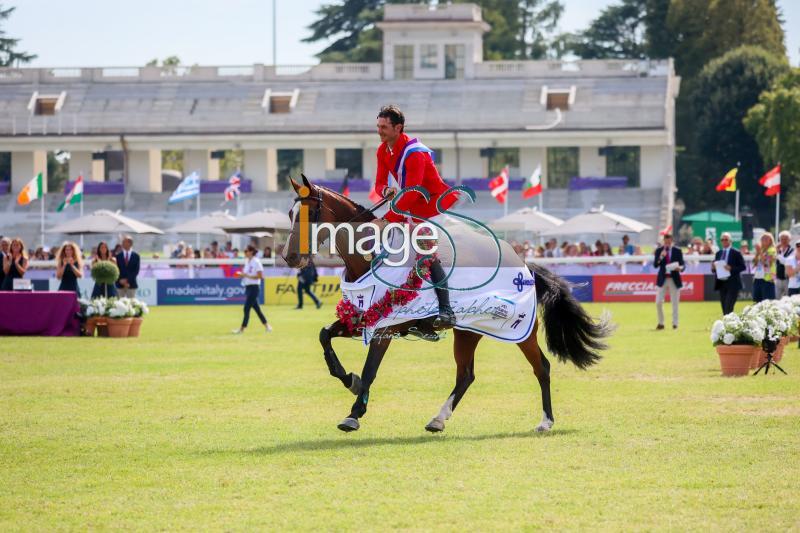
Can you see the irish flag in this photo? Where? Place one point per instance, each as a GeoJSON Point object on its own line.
{"type": "Point", "coordinates": [533, 185]}
{"type": "Point", "coordinates": [74, 196]}
{"type": "Point", "coordinates": [32, 191]}
{"type": "Point", "coordinates": [772, 181]}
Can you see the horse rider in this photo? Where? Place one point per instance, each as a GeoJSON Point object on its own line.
{"type": "Point", "coordinates": [409, 163]}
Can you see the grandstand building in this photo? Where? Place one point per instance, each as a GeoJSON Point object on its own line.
{"type": "Point", "coordinates": [602, 130]}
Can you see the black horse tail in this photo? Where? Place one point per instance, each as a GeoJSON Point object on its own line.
{"type": "Point", "coordinates": [571, 333]}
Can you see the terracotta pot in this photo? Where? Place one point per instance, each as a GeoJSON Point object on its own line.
{"type": "Point", "coordinates": [102, 326]}
{"type": "Point", "coordinates": [759, 357]}
{"type": "Point", "coordinates": [89, 327]}
{"type": "Point", "coordinates": [136, 324]}
{"type": "Point", "coordinates": [119, 327]}
{"type": "Point", "coordinates": [778, 355]}
{"type": "Point", "coordinates": [735, 359]}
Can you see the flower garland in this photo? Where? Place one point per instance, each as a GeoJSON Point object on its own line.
{"type": "Point", "coordinates": [354, 320]}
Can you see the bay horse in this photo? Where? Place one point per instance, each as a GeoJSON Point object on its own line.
{"type": "Point", "coordinates": [572, 335]}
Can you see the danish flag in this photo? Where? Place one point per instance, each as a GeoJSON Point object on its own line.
{"type": "Point", "coordinates": [499, 185]}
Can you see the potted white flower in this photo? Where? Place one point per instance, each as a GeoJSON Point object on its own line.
{"type": "Point", "coordinates": [120, 315]}
{"type": "Point", "coordinates": [779, 317]}
{"type": "Point", "coordinates": [139, 310]}
{"type": "Point", "coordinates": [737, 339]}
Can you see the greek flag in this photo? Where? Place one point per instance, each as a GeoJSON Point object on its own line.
{"type": "Point", "coordinates": [188, 188]}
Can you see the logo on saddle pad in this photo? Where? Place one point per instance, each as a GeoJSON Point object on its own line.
{"type": "Point", "coordinates": [520, 282]}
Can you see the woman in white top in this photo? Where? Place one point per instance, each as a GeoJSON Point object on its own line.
{"type": "Point", "coordinates": [792, 265]}
{"type": "Point", "coordinates": [251, 274]}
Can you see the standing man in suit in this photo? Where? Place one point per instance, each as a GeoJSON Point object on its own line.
{"type": "Point", "coordinates": [734, 263]}
{"type": "Point", "coordinates": [128, 263]}
{"type": "Point", "coordinates": [668, 255]}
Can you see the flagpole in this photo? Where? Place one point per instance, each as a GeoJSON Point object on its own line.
{"type": "Point", "coordinates": [541, 202]}
{"type": "Point", "coordinates": [197, 235]}
{"type": "Point", "coordinates": [82, 195]}
{"type": "Point", "coordinates": [41, 216]}
{"type": "Point", "coordinates": [777, 213]}
{"type": "Point", "coordinates": [736, 209]}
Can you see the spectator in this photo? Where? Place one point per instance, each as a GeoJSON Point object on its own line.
{"type": "Point", "coordinates": [729, 286]}
{"type": "Point", "coordinates": [69, 267]}
{"type": "Point", "coordinates": [598, 248]}
{"type": "Point", "coordinates": [5, 243]}
{"type": "Point", "coordinates": [764, 269]}
{"type": "Point", "coordinates": [15, 263]}
{"type": "Point", "coordinates": [251, 274]}
{"type": "Point", "coordinates": [793, 270]}
{"type": "Point", "coordinates": [117, 250]}
{"type": "Point", "coordinates": [783, 251]}
{"type": "Point", "coordinates": [669, 262]}
{"type": "Point", "coordinates": [583, 250]}
{"type": "Point", "coordinates": [128, 263]}
{"type": "Point", "coordinates": [712, 245]}
{"type": "Point", "coordinates": [196, 254]}
{"type": "Point", "coordinates": [744, 247]}
{"type": "Point", "coordinates": [607, 249]}
{"type": "Point", "coordinates": [103, 289]}
{"type": "Point", "coordinates": [539, 252]}
{"type": "Point", "coordinates": [627, 247]}
{"type": "Point", "coordinates": [306, 278]}
{"type": "Point", "coordinates": [207, 253]}
{"type": "Point", "coordinates": [228, 252]}
{"type": "Point", "coordinates": [267, 253]}
{"type": "Point", "coordinates": [178, 252]}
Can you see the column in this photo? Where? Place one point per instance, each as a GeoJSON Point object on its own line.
{"type": "Point", "coordinates": [98, 170]}
{"type": "Point", "coordinates": [369, 162]}
{"type": "Point", "coordinates": [591, 163]}
{"type": "Point", "coordinates": [145, 170]}
{"type": "Point", "coordinates": [330, 159]}
{"type": "Point", "coordinates": [314, 160]}
{"type": "Point", "coordinates": [472, 164]}
{"type": "Point", "coordinates": [201, 162]}
{"type": "Point", "coordinates": [261, 166]}
{"type": "Point", "coordinates": [25, 166]}
{"type": "Point", "coordinates": [529, 158]}
{"type": "Point", "coordinates": [80, 164]}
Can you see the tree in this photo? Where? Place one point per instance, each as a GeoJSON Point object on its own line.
{"type": "Point", "coordinates": [9, 55]}
{"type": "Point", "coordinates": [723, 93]}
{"type": "Point", "coordinates": [774, 122]}
{"type": "Point", "coordinates": [522, 29]}
{"type": "Point", "coordinates": [619, 32]}
{"type": "Point", "coordinates": [658, 36]}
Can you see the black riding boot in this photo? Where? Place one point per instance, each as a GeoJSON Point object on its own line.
{"type": "Point", "coordinates": [446, 318]}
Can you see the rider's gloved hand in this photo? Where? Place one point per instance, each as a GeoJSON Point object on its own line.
{"type": "Point", "coordinates": [389, 192]}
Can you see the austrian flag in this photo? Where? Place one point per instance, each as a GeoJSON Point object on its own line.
{"type": "Point", "coordinates": [499, 186]}
{"type": "Point", "coordinates": [772, 181]}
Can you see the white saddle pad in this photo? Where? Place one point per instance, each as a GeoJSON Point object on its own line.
{"type": "Point", "coordinates": [497, 301]}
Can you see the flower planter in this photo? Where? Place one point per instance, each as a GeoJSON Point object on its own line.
{"type": "Point", "coordinates": [90, 326]}
{"type": "Point", "coordinates": [735, 359]}
{"type": "Point", "coordinates": [119, 327]}
{"type": "Point", "coordinates": [102, 327]}
{"type": "Point", "coordinates": [136, 324]}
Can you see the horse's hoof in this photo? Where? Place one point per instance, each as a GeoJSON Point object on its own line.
{"type": "Point", "coordinates": [435, 425]}
{"type": "Point", "coordinates": [355, 385]}
{"type": "Point", "coordinates": [545, 425]}
{"type": "Point", "coordinates": [349, 424]}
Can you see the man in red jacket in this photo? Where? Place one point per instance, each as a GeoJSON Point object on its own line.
{"type": "Point", "coordinates": [406, 162]}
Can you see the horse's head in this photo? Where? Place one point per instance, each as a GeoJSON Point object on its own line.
{"type": "Point", "coordinates": [319, 205]}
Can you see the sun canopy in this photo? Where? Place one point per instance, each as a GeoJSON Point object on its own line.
{"type": "Point", "coordinates": [102, 222]}
{"type": "Point", "coordinates": [260, 221]}
{"type": "Point", "coordinates": [526, 219]}
{"type": "Point", "coordinates": [207, 224]}
{"type": "Point", "coordinates": [598, 221]}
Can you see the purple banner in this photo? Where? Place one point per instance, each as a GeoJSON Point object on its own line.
{"type": "Point", "coordinates": [98, 187]}
{"type": "Point", "coordinates": [218, 186]}
{"type": "Point", "coordinates": [355, 185]}
{"type": "Point", "coordinates": [609, 182]}
{"type": "Point", "coordinates": [5, 187]}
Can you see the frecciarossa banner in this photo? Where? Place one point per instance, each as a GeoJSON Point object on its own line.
{"type": "Point", "coordinates": [641, 288]}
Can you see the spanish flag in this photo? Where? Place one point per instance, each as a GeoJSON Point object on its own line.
{"type": "Point", "coordinates": [32, 191]}
{"type": "Point", "coordinates": [728, 183]}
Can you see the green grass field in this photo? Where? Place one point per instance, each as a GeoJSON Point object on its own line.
{"type": "Point", "coordinates": [191, 428]}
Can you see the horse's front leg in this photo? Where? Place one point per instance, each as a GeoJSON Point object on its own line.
{"type": "Point", "coordinates": [351, 381]}
{"type": "Point", "coordinates": [377, 349]}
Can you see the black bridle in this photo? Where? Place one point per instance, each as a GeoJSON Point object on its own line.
{"type": "Point", "coordinates": [315, 212]}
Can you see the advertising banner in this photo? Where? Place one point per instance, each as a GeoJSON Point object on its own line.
{"type": "Point", "coordinates": [146, 291]}
{"type": "Point", "coordinates": [202, 292]}
{"type": "Point", "coordinates": [581, 287]}
{"type": "Point", "coordinates": [642, 288]}
{"type": "Point", "coordinates": [283, 291]}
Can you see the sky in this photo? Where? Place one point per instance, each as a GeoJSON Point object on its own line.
{"type": "Point", "coordinates": [212, 32]}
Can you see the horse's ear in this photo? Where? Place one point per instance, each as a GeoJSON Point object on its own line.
{"type": "Point", "coordinates": [295, 185]}
{"type": "Point", "coordinates": [305, 181]}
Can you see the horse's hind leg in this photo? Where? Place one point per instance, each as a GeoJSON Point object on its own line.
{"type": "Point", "coordinates": [541, 368]}
{"type": "Point", "coordinates": [337, 329]}
{"type": "Point", "coordinates": [464, 345]}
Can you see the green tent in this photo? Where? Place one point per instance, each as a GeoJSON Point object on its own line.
{"type": "Point", "coordinates": [711, 224]}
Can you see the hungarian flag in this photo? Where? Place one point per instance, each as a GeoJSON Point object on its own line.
{"type": "Point", "coordinates": [728, 183]}
{"type": "Point", "coordinates": [772, 181]}
{"type": "Point", "coordinates": [533, 185]}
{"type": "Point", "coordinates": [345, 190]}
{"type": "Point", "coordinates": [74, 196]}
{"type": "Point", "coordinates": [32, 191]}
{"type": "Point", "coordinates": [499, 185]}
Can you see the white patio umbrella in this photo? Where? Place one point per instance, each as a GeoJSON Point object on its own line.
{"type": "Point", "coordinates": [206, 224]}
{"type": "Point", "coordinates": [526, 219]}
{"type": "Point", "coordinates": [104, 221]}
{"type": "Point", "coordinates": [597, 221]}
{"type": "Point", "coordinates": [261, 221]}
